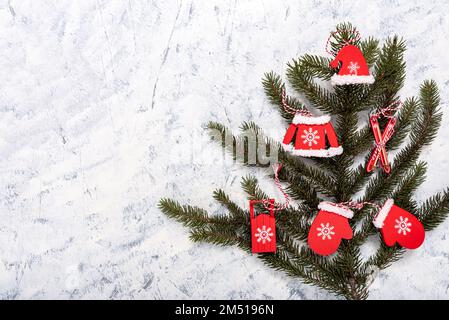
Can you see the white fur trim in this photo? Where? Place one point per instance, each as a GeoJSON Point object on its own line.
{"type": "Point", "coordinates": [383, 214]}
{"type": "Point", "coordinates": [331, 207]}
{"type": "Point", "coordinates": [300, 119]}
{"type": "Point", "coordinates": [320, 153]}
{"type": "Point", "coordinates": [337, 80]}
{"type": "Point", "coordinates": [335, 151]}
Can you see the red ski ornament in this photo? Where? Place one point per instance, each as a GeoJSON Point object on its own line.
{"type": "Point", "coordinates": [263, 228]}
{"type": "Point", "coordinates": [381, 139]}
{"type": "Point", "coordinates": [399, 225]}
{"type": "Point", "coordinates": [353, 70]}
{"type": "Point", "coordinates": [329, 227]}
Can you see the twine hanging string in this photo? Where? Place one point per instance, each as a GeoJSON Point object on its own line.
{"type": "Point", "coordinates": [391, 110]}
{"type": "Point", "coordinates": [357, 205]}
{"type": "Point", "coordinates": [277, 207]}
{"type": "Point", "coordinates": [347, 42]}
{"type": "Point", "coordinates": [292, 110]}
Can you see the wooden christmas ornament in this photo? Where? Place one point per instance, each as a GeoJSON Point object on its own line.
{"type": "Point", "coordinates": [329, 227]}
{"type": "Point", "coordinates": [352, 65]}
{"type": "Point", "coordinates": [381, 139]}
{"type": "Point", "coordinates": [311, 135]}
{"type": "Point", "coordinates": [263, 228]}
{"type": "Point", "coordinates": [399, 226]}
{"type": "Point", "coordinates": [353, 69]}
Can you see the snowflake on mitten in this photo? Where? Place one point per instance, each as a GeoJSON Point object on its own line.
{"type": "Point", "coordinates": [325, 231]}
{"type": "Point", "coordinates": [403, 225]}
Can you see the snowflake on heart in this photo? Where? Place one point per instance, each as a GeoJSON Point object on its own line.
{"type": "Point", "coordinates": [325, 232]}
{"type": "Point", "coordinates": [310, 137]}
{"type": "Point", "coordinates": [263, 234]}
{"type": "Point", "coordinates": [353, 67]}
{"type": "Point", "coordinates": [403, 225]}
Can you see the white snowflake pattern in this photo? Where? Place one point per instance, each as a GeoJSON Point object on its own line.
{"type": "Point", "coordinates": [310, 137]}
{"type": "Point", "coordinates": [403, 225]}
{"type": "Point", "coordinates": [353, 67]}
{"type": "Point", "coordinates": [325, 232]}
{"type": "Point", "coordinates": [263, 234]}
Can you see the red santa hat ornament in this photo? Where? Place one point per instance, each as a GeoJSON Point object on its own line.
{"type": "Point", "coordinates": [399, 226]}
{"type": "Point", "coordinates": [353, 66]}
{"type": "Point", "coordinates": [309, 134]}
{"type": "Point", "coordinates": [329, 227]}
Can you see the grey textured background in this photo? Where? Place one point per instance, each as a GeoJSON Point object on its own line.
{"type": "Point", "coordinates": [102, 109]}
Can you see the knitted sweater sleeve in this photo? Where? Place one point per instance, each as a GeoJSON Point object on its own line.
{"type": "Point", "coordinates": [331, 135]}
{"type": "Point", "coordinates": [290, 133]}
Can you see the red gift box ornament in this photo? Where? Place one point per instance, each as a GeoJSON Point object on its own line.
{"type": "Point", "coordinates": [309, 134]}
{"type": "Point", "coordinates": [399, 226]}
{"type": "Point", "coordinates": [263, 228]}
{"type": "Point", "coordinates": [353, 69]}
{"type": "Point", "coordinates": [329, 227]}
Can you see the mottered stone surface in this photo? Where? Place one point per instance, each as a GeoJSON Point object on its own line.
{"type": "Point", "coordinates": [102, 112]}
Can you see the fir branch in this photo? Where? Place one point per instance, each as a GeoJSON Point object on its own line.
{"type": "Point", "coordinates": [389, 71]}
{"type": "Point", "coordinates": [302, 262]}
{"type": "Point", "coordinates": [290, 219]}
{"type": "Point", "coordinates": [359, 176]}
{"type": "Point", "coordinates": [358, 144]}
{"type": "Point", "coordinates": [299, 189]}
{"type": "Point", "coordinates": [414, 178]}
{"type": "Point", "coordinates": [370, 50]}
{"type": "Point", "coordinates": [344, 274]}
{"type": "Point", "coordinates": [215, 236]}
{"type": "Point", "coordinates": [311, 177]}
{"type": "Point", "coordinates": [302, 80]}
{"type": "Point", "coordinates": [384, 256]}
{"type": "Point", "coordinates": [189, 216]}
{"type": "Point", "coordinates": [296, 167]}
{"type": "Point", "coordinates": [349, 261]}
{"type": "Point", "coordinates": [273, 87]}
{"type": "Point", "coordinates": [434, 210]}
{"type": "Point", "coordinates": [317, 67]}
{"type": "Point", "coordinates": [236, 212]}
{"type": "Point", "coordinates": [346, 33]}
{"type": "Point", "coordinates": [423, 131]}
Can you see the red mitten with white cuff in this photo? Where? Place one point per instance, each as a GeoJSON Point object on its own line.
{"type": "Point", "coordinates": [329, 227]}
{"type": "Point", "coordinates": [399, 225]}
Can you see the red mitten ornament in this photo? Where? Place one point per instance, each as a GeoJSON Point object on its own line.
{"type": "Point", "coordinates": [398, 225]}
{"type": "Point", "coordinates": [311, 133]}
{"type": "Point", "coordinates": [329, 227]}
{"type": "Point", "coordinates": [263, 229]}
{"type": "Point", "coordinates": [353, 70]}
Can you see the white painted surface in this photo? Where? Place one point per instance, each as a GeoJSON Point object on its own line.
{"type": "Point", "coordinates": [102, 109]}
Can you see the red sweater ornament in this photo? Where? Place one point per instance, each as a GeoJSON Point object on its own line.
{"type": "Point", "coordinates": [311, 133]}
